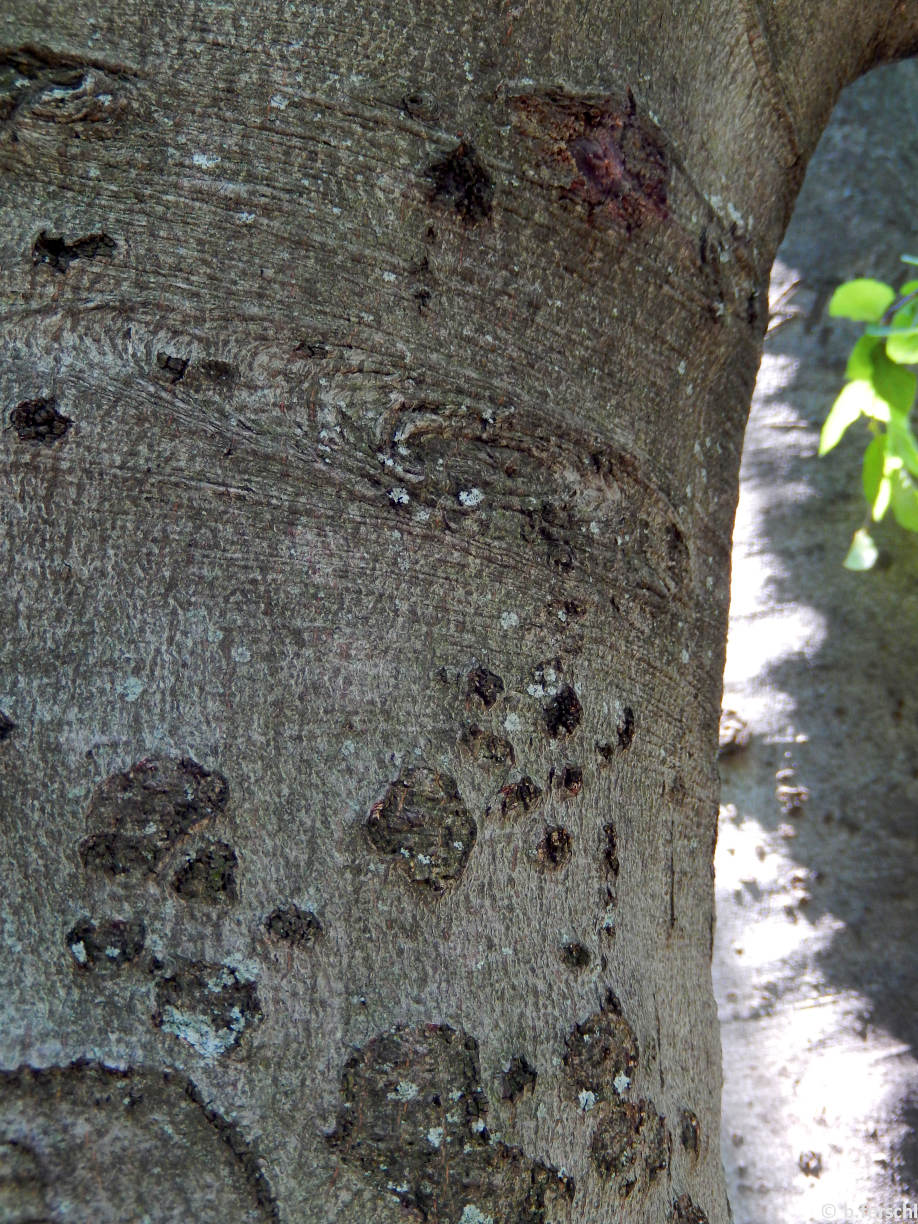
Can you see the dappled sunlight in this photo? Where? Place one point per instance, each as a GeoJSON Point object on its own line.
{"type": "Point", "coordinates": [816, 949]}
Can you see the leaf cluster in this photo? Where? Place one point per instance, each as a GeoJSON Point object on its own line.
{"type": "Point", "coordinates": [880, 388]}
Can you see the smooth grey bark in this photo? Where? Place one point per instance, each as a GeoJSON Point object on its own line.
{"type": "Point", "coordinates": [375, 384]}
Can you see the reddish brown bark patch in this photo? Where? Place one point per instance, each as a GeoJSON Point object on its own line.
{"type": "Point", "coordinates": [412, 1120]}
{"type": "Point", "coordinates": [614, 158]}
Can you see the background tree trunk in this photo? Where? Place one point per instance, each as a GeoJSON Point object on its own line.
{"type": "Point", "coordinates": [375, 385]}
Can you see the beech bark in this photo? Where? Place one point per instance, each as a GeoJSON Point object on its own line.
{"type": "Point", "coordinates": [374, 382]}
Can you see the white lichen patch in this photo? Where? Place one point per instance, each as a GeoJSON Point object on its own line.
{"type": "Point", "coordinates": [79, 951]}
{"type": "Point", "coordinates": [241, 654]}
{"type": "Point", "coordinates": [206, 161]}
{"type": "Point", "coordinates": [200, 1034]}
{"type": "Point", "coordinates": [512, 723]}
{"type": "Point", "coordinates": [406, 1091]}
{"type": "Point", "coordinates": [509, 620]}
{"type": "Point", "coordinates": [435, 1136]}
{"type": "Point", "coordinates": [472, 1215]}
{"type": "Point", "coordinates": [586, 1100]}
{"type": "Point", "coordinates": [279, 102]}
{"type": "Point", "coordinates": [130, 688]}
{"type": "Point", "coordinates": [399, 496]}
{"type": "Point", "coordinates": [621, 1083]}
{"type": "Point", "coordinates": [470, 497]}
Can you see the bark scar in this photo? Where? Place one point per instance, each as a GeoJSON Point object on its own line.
{"type": "Point", "coordinates": [614, 157]}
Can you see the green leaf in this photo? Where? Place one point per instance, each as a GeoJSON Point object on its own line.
{"type": "Point", "coordinates": [909, 259]}
{"type": "Point", "coordinates": [903, 348]}
{"type": "Point", "coordinates": [905, 500]}
{"type": "Point", "coordinates": [860, 363]}
{"type": "Point", "coordinates": [849, 405]}
{"type": "Point", "coordinates": [901, 444]}
{"type": "Point", "coordinates": [893, 384]}
{"type": "Point", "coordinates": [863, 552]}
{"type": "Point", "coordinates": [872, 469]}
{"type": "Point", "coordinates": [907, 288]}
{"type": "Point", "coordinates": [864, 300]}
{"type": "Point", "coordinates": [881, 501]}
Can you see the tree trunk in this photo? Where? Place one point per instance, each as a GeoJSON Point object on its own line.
{"type": "Point", "coordinates": [375, 384]}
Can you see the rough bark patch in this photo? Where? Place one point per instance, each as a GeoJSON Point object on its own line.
{"type": "Point", "coordinates": [106, 945]}
{"type": "Point", "coordinates": [461, 179]}
{"type": "Point", "coordinates": [602, 1052]}
{"type": "Point", "coordinates": [423, 823]}
{"type": "Point", "coordinates": [574, 956]}
{"type": "Point", "coordinates": [685, 1212]}
{"type": "Point", "coordinates": [630, 1145]}
{"type": "Point", "coordinates": [610, 851]}
{"type": "Point", "coordinates": [209, 876]}
{"type": "Point", "coordinates": [208, 1005]}
{"type": "Point", "coordinates": [60, 254]}
{"type": "Point", "coordinates": [554, 849]}
{"type": "Point", "coordinates": [520, 796]}
{"type": "Point", "coordinates": [518, 1078]}
{"type": "Point", "coordinates": [146, 811]}
{"type": "Point", "coordinates": [625, 729]}
{"type": "Point", "coordinates": [38, 420]}
{"type": "Point", "coordinates": [412, 1120]}
{"type": "Point", "coordinates": [484, 686]}
{"type": "Point", "coordinates": [572, 779]}
{"type": "Point", "coordinates": [42, 86]}
{"type": "Point", "coordinates": [563, 713]}
{"type": "Point", "coordinates": [690, 1132]}
{"type": "Point", "coordinates": [84, 1142]}
{"type": "Point", "coordinates": [613, 158]}
{"type": "Point", "coordinates": [484, 745]}
{"type": "Point", "coordinates": [172, 367]}
{"type": "Point", "coordinates": [294, 925]}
